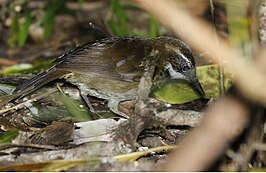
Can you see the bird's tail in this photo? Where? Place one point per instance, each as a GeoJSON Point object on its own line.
{"type": "Point", "coordinates": [33, 84]}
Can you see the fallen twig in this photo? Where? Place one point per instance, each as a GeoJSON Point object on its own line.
{"type": "Point", "coordinates": [20, 105]}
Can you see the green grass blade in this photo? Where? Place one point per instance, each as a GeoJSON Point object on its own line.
{"type": "Point", "coordinates": [8, 136]}
{"type": "Point", "coordinates": [24, 30]}
{"type": "Point", "coordinates": [73, 108]}
{"type": "Point", "coordinates": [153, 31]}
{"type": "Point", "coordinates": [48, 18]}
{"type": "Point", "coordinates": [118, 9]}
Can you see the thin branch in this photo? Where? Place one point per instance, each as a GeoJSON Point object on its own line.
{"type": "Point", "coordinates": [21, 105]}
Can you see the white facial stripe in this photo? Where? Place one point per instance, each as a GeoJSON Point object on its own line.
{"type": "Point", "coordinates": [174, 74]}
{"type": "Point", "coordinates": [183, 56]}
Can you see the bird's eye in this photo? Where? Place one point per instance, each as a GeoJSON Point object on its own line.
{"type": "Point", "coordinates": [186, 68]}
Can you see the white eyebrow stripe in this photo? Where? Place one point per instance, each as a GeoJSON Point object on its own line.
{"type": "Point", "coordinates": [183, 56]}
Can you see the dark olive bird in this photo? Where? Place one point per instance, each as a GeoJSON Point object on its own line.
{"type": "Point", "coordinates": [111, 68]}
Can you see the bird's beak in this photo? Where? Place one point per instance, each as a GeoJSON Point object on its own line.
{"type": "Point", "coordinates": [197, 86]}
{"type": "Point", "coordinates": [192, 78]}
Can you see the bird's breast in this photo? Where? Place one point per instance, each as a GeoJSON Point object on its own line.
{"type": "Point", "coordinates": [103, 87]}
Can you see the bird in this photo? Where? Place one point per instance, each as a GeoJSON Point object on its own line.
{"type": "Point", "coordinates": [111, 68]}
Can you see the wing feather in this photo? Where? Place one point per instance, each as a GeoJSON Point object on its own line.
{"type": "Point", "coordinates": [115, 59]}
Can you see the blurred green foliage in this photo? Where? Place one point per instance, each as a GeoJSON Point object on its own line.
{"type": "Point", "coordinates": [118, 26]}
{"type": "Point", "coordinates": [26, 68]}
{"type": "Point", "coordinates": [239, 26]}
{"type": "Point", "coordinates": [22, 17]}
{"type": "Point", "coordinates": [20, 23]}
{"type": "Point", "coordinates": [47, 20]}
{"type": "Point", "coordinates": [119, 21]}
{"type": "Point", "coordinates": [8, 135]}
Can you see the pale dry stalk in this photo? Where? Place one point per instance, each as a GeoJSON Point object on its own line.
{"type": "Point", "coordinates": [228, 117]}
{"type": "Point", "coordinates": [199, 35]}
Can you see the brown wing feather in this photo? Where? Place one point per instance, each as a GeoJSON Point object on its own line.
{"type": "Point", "coordinates": [117, 59]}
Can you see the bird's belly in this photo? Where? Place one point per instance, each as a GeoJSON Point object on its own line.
{"type": "Point", "coordinates": [103, 87]}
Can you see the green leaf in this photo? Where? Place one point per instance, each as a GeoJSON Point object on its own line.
{"type": "Point", "coordinates": [8, 136]}
{"type": "Point", "coordinates": [12, 40]}
{"type": "Point", "coordinates": [179, 91]}
{"type": "Point", "coordinates": [153, 27]}
{"type": "Point", "coordinates": [48, 24]}
{"type": "Point", "coordinates": [24, 30]}
{"type": "Point", "coordinates": [118, 9]}
{"type": "Point", "coordinates": [73, 108]}
{"type": "Point", "coordinates": [208, 76]}
{"type": "Point", "coordinates": [15, 69]}
{"type": "Point", "coordinates": [48, 18]}
{"type": "Point", "coordinates": [114, 27]}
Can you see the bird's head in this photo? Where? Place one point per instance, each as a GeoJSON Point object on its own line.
{"type": "Point", "coordinates": [179, 62]}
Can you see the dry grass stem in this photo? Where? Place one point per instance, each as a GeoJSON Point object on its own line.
{"type": "Point", "coordinates": [21, 105]}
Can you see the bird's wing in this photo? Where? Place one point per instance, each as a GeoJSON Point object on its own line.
{"type": "Point", "coordinates": [114, 59]}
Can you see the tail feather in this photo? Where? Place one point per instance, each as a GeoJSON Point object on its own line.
{"type": "Point", "coordinates": [33, 84]}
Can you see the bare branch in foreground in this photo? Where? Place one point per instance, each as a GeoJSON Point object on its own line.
{"type": "Point", "coordinates": [223, 121]}
{"type": "Point", "coordinates": [200, 36]}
